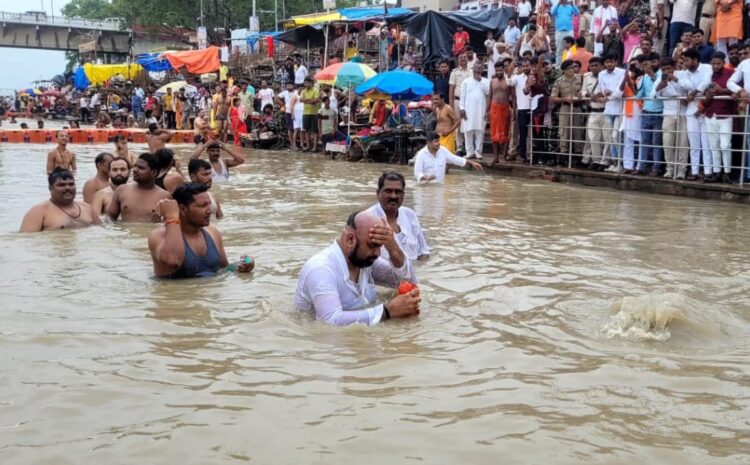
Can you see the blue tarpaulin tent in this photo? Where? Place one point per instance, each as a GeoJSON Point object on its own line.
{"type": "Point", "coordinates": [361, 14]}
{"type": "Point", "coordinates": [151, 62]}
{"type": "Point", "coordinates": [80, 81]}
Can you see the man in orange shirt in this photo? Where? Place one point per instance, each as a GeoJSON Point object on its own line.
{"type": "Point", "coordinates": [581, 55]}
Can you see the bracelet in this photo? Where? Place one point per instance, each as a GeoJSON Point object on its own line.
{"type": "Point", "coordinates": [173, 221]}
{"type": "Point", "coordinates": [386, 313]}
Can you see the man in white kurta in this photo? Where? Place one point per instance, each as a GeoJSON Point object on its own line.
{"type": "Point", "coordinates": [338, 283]}
{"type": "Point", "coordinates": [430, 162]}
{"type": "Point", "coordinates": [475, 93]}
{"type": "Point", "coordinates": [402, 220]}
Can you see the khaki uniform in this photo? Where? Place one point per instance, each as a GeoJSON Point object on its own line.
{"type": "Point", "coordinates": [596, 126]}
{"type": "Point", "coordinates": [708, 16]}
{"type": "Point", "coordinates": [570, 114]}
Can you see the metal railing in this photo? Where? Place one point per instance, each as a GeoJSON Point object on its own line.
{"type": "Point", "coordinates": [574, 136]}
{"type": "Point", "coordinates": [40, 18]}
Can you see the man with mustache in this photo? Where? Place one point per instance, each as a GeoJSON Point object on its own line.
{"type": "Point", "coordinates": [188, 246]}
{"type": "Point", "coordinates": [61, 211]}
{"type": "Point", "coordinates": [138, 202]}
{"type": "Point", "coordinates": [119, 173]}
{"type": "Point", "coordinates": [339, 282]}
{"type": "Point", "coordinates": [402, 220]}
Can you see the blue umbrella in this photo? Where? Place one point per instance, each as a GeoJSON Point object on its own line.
{"type": "Point", "coordinates": [400, 85]}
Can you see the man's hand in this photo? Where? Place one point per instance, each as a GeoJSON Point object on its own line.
{"type": "Point", "coordinates": [404, 306]}
{"type": "Point", "coordinates": [382, 234]}
{"type": "Point", "coordinates": [168, 209]}
{"type": "Point", "coordinates": [463, 115]}
{"type": "Point", "coordinates": [662, 84]}
{"type": "Point", "coordinates": [475, 165]}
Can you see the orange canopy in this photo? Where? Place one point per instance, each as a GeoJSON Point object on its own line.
{"type": "Point", "coordinates": [196, 61]}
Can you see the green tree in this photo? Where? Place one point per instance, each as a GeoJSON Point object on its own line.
{"type": "Point", "coordinates": [89, 9]}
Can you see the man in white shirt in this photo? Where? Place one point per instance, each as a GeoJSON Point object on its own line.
{"type": "Point", "coordinates": [430, 162]}
{"type": "Point", "coordinates": [742, 76]}
{"type": "Point", "coordinates": [300, 74]}
{"type": "Point", "coordinates": [603, 14]}
{"type": "Point", "coordinates": [265, 94]}
{"type": "Point", "coordinates": [609, 93]}
{"type": "Point", "coordinates": [673, 123]}
{"type": "Point", "coordinates": [511, 35]}
{"type": "Point", "coordinates": [683, 20]}
{"type": "Point", "coordinates": [523, 105]}
{"type": "Point", "coordinates": [285, 98]}
{"type": "Point", "coordinates": [457, 77]}
{"type": "Point", "coordinates": [524, 11]}
{"type": "Point", "coordinates": [473, 103]}
{"type": "Point", "coordinates": [694, 79]}
{"type": "Point", "coordinates": [339, 282]}
{"type": "Point", "coordinates": [402, 220]}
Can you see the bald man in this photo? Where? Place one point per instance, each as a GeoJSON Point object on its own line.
{"type": "Point", "coordinates": [339, 282]}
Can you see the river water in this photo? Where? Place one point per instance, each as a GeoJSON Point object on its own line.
{"type": "Point", "coordinates": [559, 325]}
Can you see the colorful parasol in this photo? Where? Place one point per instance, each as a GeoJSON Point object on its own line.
{"type": "Point", "coordinates": [345, 75]}
{"type": "Point", "coordinates": [400, 85]}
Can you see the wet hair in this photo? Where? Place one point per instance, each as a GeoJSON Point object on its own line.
{"type": "Point", "coordinates": [431, 136]}
{"type": "Point", "coordinates": [185, 193]}
{"type": "Point", "coordinates": [164, 158]}
{"type": "Point", "coordinates": [666, 62]}
{"type": "Point", "coordinates": [719, 56]}
{"type": "Point", "coordinates": [150, 160]}
{"type": "Point", "coordinates": [692, 54]}
{"type": "Point", "coordinates": [59, 174]}
{"type": "Point", "coordinates": [119, 138]}
{"type": "Point", "coordinates": [197, 165]}
{"type": "Point", "coordinates": [100, 158]}
{"type": "Point", "coordinates": [390, 176]}
{"type": "Point", "coordinates": [213, 145]}
{"type": "Point", "coordinates": [153, 127]}
{"type": "Point", "coordinates": [581, 42]}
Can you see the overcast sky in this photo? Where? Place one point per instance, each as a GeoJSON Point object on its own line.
{"type": "Point", "coordinates": [21, 66]}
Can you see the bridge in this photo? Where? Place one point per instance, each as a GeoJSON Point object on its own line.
{"type": "Point", "coordinates": [37, 30]}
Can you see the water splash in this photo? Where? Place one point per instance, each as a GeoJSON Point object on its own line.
{"type": "Point", "coordinates": [646, 318]}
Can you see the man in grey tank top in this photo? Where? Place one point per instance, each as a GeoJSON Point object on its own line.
{"type": "Point", "coordinates": [188, 246]}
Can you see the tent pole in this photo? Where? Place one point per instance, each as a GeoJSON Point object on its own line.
{"type": "Point", "coordinates": [325, 47]}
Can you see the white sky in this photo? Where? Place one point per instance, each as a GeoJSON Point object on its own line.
{"type": "Point", "coordinates": [22, 66]}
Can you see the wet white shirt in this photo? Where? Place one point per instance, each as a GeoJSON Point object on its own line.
{"type": "Point", "coordinates": [324, 286]}
{"type": "Point", "coordinates": [427, 164]}
{"type": "Point", "coordinates": [410, 237]}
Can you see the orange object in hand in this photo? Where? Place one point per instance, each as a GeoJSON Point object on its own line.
{"type": "Point", "coordinates": [406, 287]}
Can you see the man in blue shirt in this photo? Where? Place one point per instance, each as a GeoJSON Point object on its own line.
{"type": "Point", "coordinates": [705, 50]}
{"type": "Point", "coordinates": [651, 117]}
{"type": "Point", "coordinates": [563, 14]}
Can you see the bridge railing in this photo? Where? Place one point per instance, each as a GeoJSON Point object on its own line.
{"type": "Point", "coordinates": [38, 18]}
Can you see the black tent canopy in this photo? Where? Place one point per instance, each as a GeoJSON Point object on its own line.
{"type": "Point", "coordinates": [435, 29]}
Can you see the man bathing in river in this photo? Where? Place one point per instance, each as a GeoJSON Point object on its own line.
{"type": "Point", "coordinates": [61, 157]}
{"type": "Point", "coordinates": [100, 179]}
{"type": "Point", "coordinates": [430, 162]}
{"type": "Point", "coordinates": [138, 202]}
{"type": "Point", "coordinates": [169, 176]}
{"type": "Point", "coordinates": [402, 220]}
{"type": "Point", "coordinates": [61, 211]}
{"type": "Point", "coordinates": [122, 151]}
{"type": "Point", "coordinates": [119, 173]}
{"type": "Point", "coordinates": [200, 171]}
{"type": "Point", "coordinates": [219, 167]}
{"type": "Point", "coordinates": [339, 282]}
{"type": "Point", "coordinates": [187, 246]}
{"type": "Point", "coordinates": [157, 138]}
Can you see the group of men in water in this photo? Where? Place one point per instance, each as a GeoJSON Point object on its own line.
{"type": "Point", "coordinates": [379, 245]}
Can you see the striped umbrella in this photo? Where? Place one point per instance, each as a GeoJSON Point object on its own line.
{"type": "Point", "coordinates": [345, 75]}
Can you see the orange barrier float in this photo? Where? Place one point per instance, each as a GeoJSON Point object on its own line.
{"type": "Point", "coordinates": [84, 136]}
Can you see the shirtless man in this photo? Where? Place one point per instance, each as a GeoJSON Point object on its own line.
{"type": "Point", "coordinates": [200, 172]}
{"type": "Point", "coordinates": [157, 138]}
{"type": "Point", "coordinates": [122, 151]}
{"type": "Point", "coordinates": [61, 211]}
{"type": "Point", "coordinates": [119, 173]}
{"type": "Point", "coordinates": [221, 113]}
{"type": "Point", "coordinates": [139, 202]}
{"type": "Point", "coordinates": [447, 122]}
{"type": "Point", "coordinates": [202, 126]}
{"type": "Point", "coordinates": [100, 179]}
{"type": "Point", "coordinates": [61, 157]}
{"type": "Point", "coordinates": [188, 246]}
{"type": "Point", "coordinates": [499, 112]}
{"type": "Point", "coordinates": [219, 167]}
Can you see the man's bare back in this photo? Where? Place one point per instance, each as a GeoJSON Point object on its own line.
{"type": "Point", "coordinates": [92, 186]}
{"type": "Point", "coordinates": [136, 204]}
{"type": "Point", "coordinates": [48, 216]}
{"type": "Point", "coordinates": [101, 201]}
